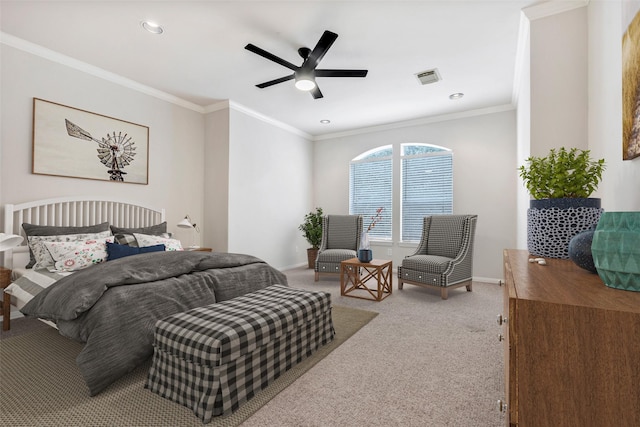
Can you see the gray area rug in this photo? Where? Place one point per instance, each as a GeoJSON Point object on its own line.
{"type": "Point", "coordinates": [40, 384]}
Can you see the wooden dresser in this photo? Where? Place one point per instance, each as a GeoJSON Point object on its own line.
{"type": "Point", "coordinates": [572, 347]}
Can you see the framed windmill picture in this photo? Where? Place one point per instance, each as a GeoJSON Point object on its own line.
{"type": "Point", "coordinates": [71, 142]}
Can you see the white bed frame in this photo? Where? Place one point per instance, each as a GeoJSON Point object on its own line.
{"type": "Point", "coordinates": [70, 211]}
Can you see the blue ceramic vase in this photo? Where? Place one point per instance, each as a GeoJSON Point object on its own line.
{"type": "Point", "coordinates": [365, 255]}
{"type": "Point", "coordinates": [580, 250]}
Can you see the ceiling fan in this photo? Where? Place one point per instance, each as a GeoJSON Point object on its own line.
{"type": "Point", "coordinates": [305, 75]}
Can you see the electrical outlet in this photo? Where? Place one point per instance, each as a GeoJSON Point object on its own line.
{"type": "Point", "coordinates": [389, 251]}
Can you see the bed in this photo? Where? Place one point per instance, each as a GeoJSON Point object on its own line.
{"type": "Point", "coordinates": [112, 306]}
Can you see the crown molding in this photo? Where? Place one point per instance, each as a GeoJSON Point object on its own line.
{"type": "Point", "coordinates": [253, 113]}
{"type": "Point", "coordinates": [34, 49]}
{"type": "Point", "coordinates": [418, 122]}
{"type": "Point", "coordinates": [217, 106]}
{"type": "Point", "coordinates": [553, 7]}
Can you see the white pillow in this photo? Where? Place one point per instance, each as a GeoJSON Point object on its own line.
{"type": "Point", "coordinates": [71, 256]}
{"type": "Point", "coordinates": [148, 240]}
{"type": "Point", "coordinates": [42, 255]}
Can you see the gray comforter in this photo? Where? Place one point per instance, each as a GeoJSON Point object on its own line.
{"type": "Point", "coordinates": [113, 306]}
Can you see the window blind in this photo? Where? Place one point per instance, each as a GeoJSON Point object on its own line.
{"type": "Point", "coordinates": [427, 189]}
{"type": "Point", "coordinates": [371, 187]}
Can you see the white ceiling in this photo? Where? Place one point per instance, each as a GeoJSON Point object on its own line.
{"type": "Point", "coordinates": [201, 58]}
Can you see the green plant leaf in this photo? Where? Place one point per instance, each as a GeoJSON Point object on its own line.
{"type": "Point", "coordinates": [562, 173]}
{"type": "Point", "coordinates": [312, 228]}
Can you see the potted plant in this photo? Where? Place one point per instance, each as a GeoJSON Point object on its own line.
{"type": "Point", "coordinates": [560, 185]}
{"type": "Point", "coordinates": [312, 231]}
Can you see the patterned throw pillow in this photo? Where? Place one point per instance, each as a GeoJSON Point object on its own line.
{"type": "Point", "coordinates": [42, 256]}
{"type": "Point", "coordinates": [71, 256]}
{"type": "Point", "coordinates": [152, 230]}
{"type": "Point", "coordinates": [54, 230]}
{"type": "Point", "coordinates": [146, 240]}
{"type": "Point", "coordinates": [130, 240]}
{"type": "Point", "coordinates": [126, 239]}
{"type": "Point", "coordinates": [124, 236]}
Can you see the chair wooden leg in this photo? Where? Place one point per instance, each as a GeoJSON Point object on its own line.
{"type": "Point", "coordinates": [469, 287]}
{"type": "Point", "coordinates": [400, 283]}
{"type": "Point", "coordinates": [317, 276]}
{"type": "Point", "coordinates": [444, 293]}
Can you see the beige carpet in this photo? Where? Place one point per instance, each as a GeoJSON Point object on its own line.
{"type": "Point", "coordinates": [422, 362]}
{"type": "Point", "coordinates": [40, 384]}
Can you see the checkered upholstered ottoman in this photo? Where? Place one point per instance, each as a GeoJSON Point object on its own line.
{"type": "Point", "coordinates": [212, 359]}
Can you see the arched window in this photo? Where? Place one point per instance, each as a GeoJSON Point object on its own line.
{"type": "Point", "coordinates": [371, 188]}
{"type": "Point", "coordinates": [425, 187]}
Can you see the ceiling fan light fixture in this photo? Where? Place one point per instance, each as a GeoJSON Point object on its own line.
{"type": "Point", "coordinates": [305, 74]}
{"type": "Point", "coordinates": [305, 83]}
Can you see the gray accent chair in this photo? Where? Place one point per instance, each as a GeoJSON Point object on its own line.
{"type": "Point", "coordinates": [340, 242]}
{"type": "Point", "coordinates": [444, 258]}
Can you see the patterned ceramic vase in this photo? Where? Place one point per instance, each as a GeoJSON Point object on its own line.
{"type": "Point", "coordinates": [551, 223]}
{"type": "Point", "coordinates": [616, 250]}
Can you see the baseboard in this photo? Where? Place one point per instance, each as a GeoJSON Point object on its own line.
{"type": "Point", "coordinates": [291, 267]}
{"type": "Point", "coordinates": [487, 280]}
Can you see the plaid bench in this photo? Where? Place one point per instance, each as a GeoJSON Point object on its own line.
{"type": "Point", "coordinates": [212, 359]}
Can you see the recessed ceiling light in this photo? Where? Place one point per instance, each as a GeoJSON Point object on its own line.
{"type": "Point", "coordinates": [457, 95]}
{"type": "Point", "coordinates": [325, 121]}
{"type": "Point", "coordinates": [152, 27]}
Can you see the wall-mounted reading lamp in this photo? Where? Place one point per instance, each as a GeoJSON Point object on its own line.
{"type": "Point", "coordinates": [187, 223]}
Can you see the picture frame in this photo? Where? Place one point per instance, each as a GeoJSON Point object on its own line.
{"type": "Point", "coordinates": [71, 142]}
{"type": "Point", "coordinates": [630, 79]}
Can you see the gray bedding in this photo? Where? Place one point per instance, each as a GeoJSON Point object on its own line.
{"type": "Point", "coordinates": [113, 307]}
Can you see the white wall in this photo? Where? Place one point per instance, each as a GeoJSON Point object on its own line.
{"type": "Point", "coordinates": [620, 188]}
{"type": "Point", "coordinates": [176, 136]}
{"type": "Point", "coordinates": [216, 179]}
{"type": "Point", "coordinates": [552, 90]}
{"type": "Point", "coordinates": [484, 148]}
{"type": "Point", "coordinates": [558, 82]}
{"type": "Point", "coordinates": [270, 174]}
{"type": "Point", "coordinates": [245, 181]}
{"type": "Point", "coordinates": [212, 166]}
{"type": "Point", "coordinates": [524, 128]}
{"type": "Point", "coordinates": [571, 95]}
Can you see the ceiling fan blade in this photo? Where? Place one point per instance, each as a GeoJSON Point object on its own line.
{"type": "Point", "coordinates": [275, 82]}
{"type": "Point", "coordinates": [255, 49]}
{"type": "Point", "coordinates": [341, 73]}
{"type": "Point", "coordinates": [315, 92]}
{"type": "Point", "coordinates": [319, 51]}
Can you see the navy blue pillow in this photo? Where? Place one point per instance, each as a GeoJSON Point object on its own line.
{"type": "Point", "coordinates": [115, 251]}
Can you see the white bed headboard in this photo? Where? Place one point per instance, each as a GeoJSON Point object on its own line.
{"type": "Point", "coordinates": [76, 212]}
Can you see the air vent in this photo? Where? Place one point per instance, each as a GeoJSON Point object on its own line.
{"type": "Point", "coordinates": [429, 76]}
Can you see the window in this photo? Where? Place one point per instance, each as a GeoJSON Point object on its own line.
{"type": "Point", "coordinates": [425, 187]}
{"type": "Point", "coordinates": [371, 187]}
